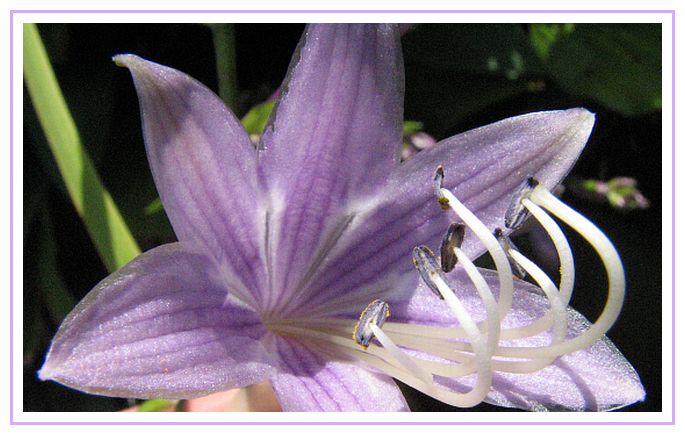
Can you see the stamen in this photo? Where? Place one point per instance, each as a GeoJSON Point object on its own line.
{"type": "Point", "coordinates": [452, 239]}
{"type": "Point", "coordinates": [437, 187]}
{"type": "Point", "coordinates": [414, 353]}
{"type": "Point", "coordinates": [517, 213]}
{"type": "Point", "coordinates": [566, 263]}
{"type": "Point", "coordinates": [567, 271]}
{"type": "Point", "coordinates": [480, 347]}
{"type": "Point", "coordinates": [428, 268]}
{"type": "Point", "coordinates": [492, 245]}
{"type": "Point", "coordinates": [508, 245]}
{"type": "Point", "coordinates": [614, 268]}
{"type": "Point", "coordinates": [373, 315]}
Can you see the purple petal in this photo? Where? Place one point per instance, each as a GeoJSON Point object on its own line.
{"type": "Point", "coordinates": [203, 163]}
{"type": "Point", "coordinates": [424, 307]}
{"type": "Point", "coordinates": [160, 327]}
{"type": "Point", "coordinates": [483, 167]}
{"type": "Point", "coordinates": [597, 378]}
{"type": "Point", "coordinates": [308, 381]}
{"type": "Point", "coordinates": [333, 140]}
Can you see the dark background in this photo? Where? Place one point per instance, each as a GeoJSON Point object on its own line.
{"type": "Point", "coordinates": [452, 86]}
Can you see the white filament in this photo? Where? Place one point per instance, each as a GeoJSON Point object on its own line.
{"type": "Point", "coordinates": [612, 264]}
{"type": "Point", "coordinates": [558, 308]}
{"type": "Point", "coordinates": [493, 322]}
{"type": "Point", "coordinates": [401, 357]}
{"type": "Point", "coordinates": [492, 245]}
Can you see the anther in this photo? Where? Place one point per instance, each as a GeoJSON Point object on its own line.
{"type": "Point", "coordinates": [508, 245]}
{"type": "Point", "coordinates": [453, 239]}
{"type": "Point", "coordinates": [437, 188]}
{"type": "Point", "coordinates": [517, 213]}
{"type": "Point", "coordinates": [428, 267]}
{"type": "Point", "coordinates": [373, 315]}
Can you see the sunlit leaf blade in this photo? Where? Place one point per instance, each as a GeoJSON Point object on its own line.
{"type": "Point", "coordinates": [93, 203]}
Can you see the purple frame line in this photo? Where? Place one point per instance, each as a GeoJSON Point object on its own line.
{"type": "Point", "coordinates": [11, 129]}
{"type": "Point", "coordinates": [343, 423]}
{"type": "Point", "coordinates": [339, 11]}
{"type": "Point", "coordinates": [673, 120]}
{"type": "Point", "coordinates": [346, 423]}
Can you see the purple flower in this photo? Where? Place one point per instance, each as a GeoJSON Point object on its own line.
{"type": "Point", "coordinates": [282, 247]}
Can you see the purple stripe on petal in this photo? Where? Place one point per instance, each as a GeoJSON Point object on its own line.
{"type": "Point", "coordinates": [204, 166]}
{"type": "Point", "coordinates": [334, 138]}
{"type": "Point", "coordinates": [160, 327]}
{"type": "Point", "coordinates": [308, 381]}
{"type": "Point", "coordinates": [483, 167]}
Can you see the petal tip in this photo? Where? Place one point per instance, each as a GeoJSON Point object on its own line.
{"type": "Point", "coordinates": [46, 373]}
{"type": "Point", "coordinates": [583, 116]}
{"type": "Point", "coordinates": [138, 66]}
{"type": "Point", "coordinates": [51, 367]}
{"type": "Point", "coordinates": [125, 60]}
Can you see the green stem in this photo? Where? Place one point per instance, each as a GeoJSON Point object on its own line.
{"type": "Point", "coordinates": [92, 201]}
{"type": "Point", "coordinates": [223, 36]}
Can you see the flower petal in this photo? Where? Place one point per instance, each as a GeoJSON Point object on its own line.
{"type": "Point", "coordinates": [160, 327]}
{"type": "Point", "coordinates": [334, 138]}
{"type": "Point", "coordinates": [597, 378]}
{"type": "Point", "coordinates": [484, 167]}
{"type": "Point", "coordinates": [308, 381]}
{"type": "Point", "coordinates": [203, 163]}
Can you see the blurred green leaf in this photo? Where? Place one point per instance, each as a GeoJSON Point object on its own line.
{"type": "Point", "coordinates": [58, 300]}
{"type": "Point", "coordinates": [255, 120]}
{"type": "Point", "coordinates": [496, 49]}
{"type": "Point", "coordinates": [34, 328]}
{"type": "Point", "coordinates": [94, 204]}
{"type": "Point", "coordinates": [155, 405]}
{"type": "Point", "coordinates": [544, 36]}
{"type": "Point", "coordinates": [456, 70]}
{"type": "Point", "coordinates": [33, 205]}
{"type": "Point", "coordinates": [154, 207]}
{"type": "Point", "coordinates": [411, 127]}
{"type": "Point", "coordinates": [442, 98]}
{"type": "Point", "coordinates": [618, 65]}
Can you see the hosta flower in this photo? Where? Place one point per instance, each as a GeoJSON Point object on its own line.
{"type": "Point", "coordinates": [294, 258]}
